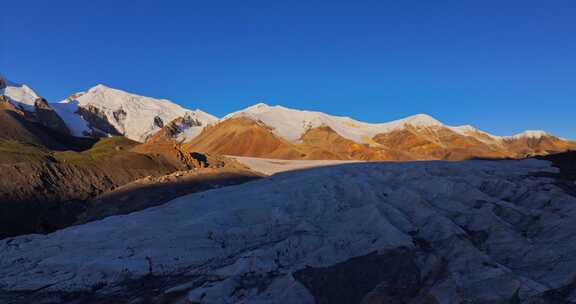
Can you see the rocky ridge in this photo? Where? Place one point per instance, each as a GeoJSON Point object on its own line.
{"type": "Point", "coordinates": [278, 132]}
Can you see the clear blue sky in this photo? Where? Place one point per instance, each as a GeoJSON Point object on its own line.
{"type": "Point", "coordinates": [503, 66]}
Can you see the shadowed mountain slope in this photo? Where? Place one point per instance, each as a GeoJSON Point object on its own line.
{"type": "Point", "coordinates": [38, 186]}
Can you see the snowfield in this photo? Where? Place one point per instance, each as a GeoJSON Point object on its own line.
{"type": "Point", "coordinates": [442, 232]}
{"type": "Point", "coordinates": [271, 166]}
{"type": "Point", "coordinates": [68, 111]}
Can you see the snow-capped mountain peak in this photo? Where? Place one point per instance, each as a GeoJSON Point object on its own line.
{"type": "Point", "coordinates": [531, 134]}
{"type": "Point", "coordinates": [469, 130]}
{"type": "Point", "coordinates": [464, 129]}
{"type": "Point", "coordinates": [134, 116]}
{"type": "Point", "coordinates": [261, 106]}
{"type": "Point", "coordinates": [291, 124]}
{"type": "Point", "coordinates": [421, 120]}
{"type": "Point", "coordinates": [101, 86]}
{"type": "Point", "coordinates": [103, 110]}
{"type": "Point", "coordinates": [20, 95]}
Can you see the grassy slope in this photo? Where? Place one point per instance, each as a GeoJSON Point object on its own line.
{"type": "Point", "coordinates": [40, 189]}
{"type": "Point", "coordinates": [105, 150]}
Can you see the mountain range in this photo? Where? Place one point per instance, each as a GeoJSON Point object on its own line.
{"type": "Point", "coordinates": [270, 131]}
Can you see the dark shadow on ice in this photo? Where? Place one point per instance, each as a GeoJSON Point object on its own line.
{"type": "Point", "coordinates": [25, 217]}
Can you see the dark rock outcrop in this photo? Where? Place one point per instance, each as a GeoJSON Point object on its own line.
{"type": "Point", "coordinates": [98, 120]}
{"type": "Point", "coordinates": [48, 117]}
{"type": "Point", "coordinates": [158, 122]}
{"type": "Point", "coordinates": [120, 116]}
{"type": "Point", "coordinates": [174, 128]}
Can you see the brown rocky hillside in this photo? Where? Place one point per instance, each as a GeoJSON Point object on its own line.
{"type": "Point", "coordinates": [242, 136]}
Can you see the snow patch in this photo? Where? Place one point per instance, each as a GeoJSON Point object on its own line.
{"type": "Point", "coordinates": [270, 166]}
{"type": "Point", "coordinates": [530, 134]}
{"type": "Point", "coordinates": [68, 112]}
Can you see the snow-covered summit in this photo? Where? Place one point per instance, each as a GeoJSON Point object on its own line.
{"type": "Point", "coordinates": [107, 97]}
{"type": "Point", "coordinates": [421, 120]}
{"type": "Point", "coordinates": [530, 134]}
{"type": "Point", "coordinates": [291, 124]}
{"type": "Point", "coordinates": [20, 95]}
{"type": "Point", "coordinates": [132, 115]}
{"type": "Point", "coordinates": [258, 107]}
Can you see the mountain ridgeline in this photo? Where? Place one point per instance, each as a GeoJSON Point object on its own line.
{"type": "Point", "coordinates": [279, 132]}
{"type": "Point", "coordinates": [268, 131]}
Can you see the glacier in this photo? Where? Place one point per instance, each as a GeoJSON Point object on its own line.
{"type": "Point", "coordinates": [487, 231]}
